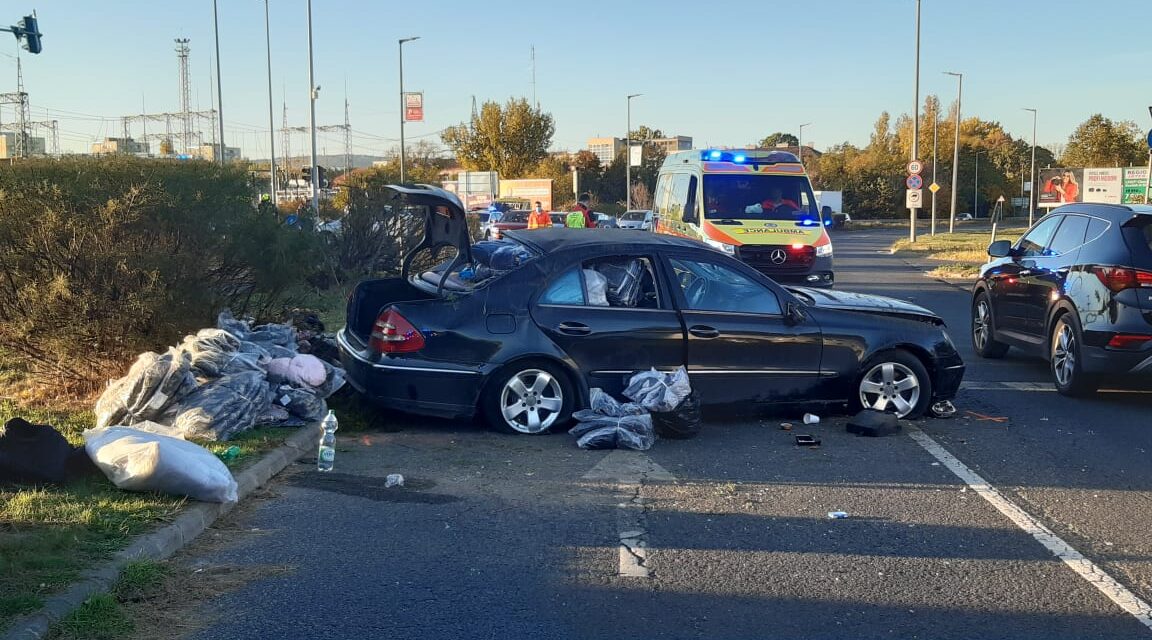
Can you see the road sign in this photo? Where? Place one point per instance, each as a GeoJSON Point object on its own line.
{"type": "Point", "coordinates": [914, 181]}
{"type": "Point", "coordinates": [915, 167]}
{"type": "Point", "coordinates": [1150, 137]}
{"type": "Point", "coordinates": [913, 198]}
{"type": "Point", "coordinates": [933, 187]}
{"type": "Point", "coordinates": [1000, 199]}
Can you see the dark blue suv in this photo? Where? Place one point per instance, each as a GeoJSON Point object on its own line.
{"type": "Point", "coordinates": [1075, 289]}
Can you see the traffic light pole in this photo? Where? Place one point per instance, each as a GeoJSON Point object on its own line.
{"type": "Point", "coordinates": [29, 31]}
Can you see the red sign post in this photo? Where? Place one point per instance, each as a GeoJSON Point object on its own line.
{"type": "Point", "coordinates": [414, 107]}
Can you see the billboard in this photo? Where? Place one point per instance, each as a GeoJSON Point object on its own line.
{"type": "Point", "coordinates": [1103, 185]}
{"type": "Point", "coordinates": [1059, 186]}
{"type": "Point", "coordinates": [413, 107]}
{"type": "Point", "coordinates": [1135, 181]}
{"type": "Point", "coordinates": [531, 189]}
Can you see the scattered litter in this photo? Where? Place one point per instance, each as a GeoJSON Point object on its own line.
{"type": "Point", "coordinates": [393, 480]}
{"type": "Point", "coordinates": [786, 426]}
{"type": "Point", "coordinates": [872, 423]}
{"type": "Point", "coordinates": [935, 464]}
{"type": "Point", "coordinates": [944, 409]}
{"type": "Point", "coordinates": [137, 460]}
{"type": "Point", "coordinates": [837, 515]}
{"type": "Point", "coordinates": [229, 454]}
{"type": "Point", "coordinates": [807, 441]}
{"type": "Point", "coordinates": [811, 418]}
{"type": "Point", "coordinates": [982, 417]}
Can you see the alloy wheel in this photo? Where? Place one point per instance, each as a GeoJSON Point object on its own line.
{"type": "Point", "coordinates": [531, 401]}
{"type": "Point", "coordinates": [981, 325]}
{"type": "Point", "coordinates": [890, 386]}
{"type": "Point", "coordinates": [1064, 355]}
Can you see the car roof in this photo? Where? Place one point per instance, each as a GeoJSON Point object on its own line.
{"type": "Point", "coordinates": [552, 240]}
{"type": "Point", "coordinates": [1112, 212]}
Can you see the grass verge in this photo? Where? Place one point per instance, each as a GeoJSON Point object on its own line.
{"type": "Point", "coordinates": [50, 535]}
{"type": "Point", "coordinates": [954, 255]}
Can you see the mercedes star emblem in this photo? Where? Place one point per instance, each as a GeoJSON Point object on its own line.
{"type": "Point", "coordinates": [778, 256]}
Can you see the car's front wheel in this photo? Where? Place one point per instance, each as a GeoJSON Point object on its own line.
{"type": "Point", "coordinates": [984, 330]}
{"type": "Point", "coordinates": [530, 398]}
{"type": "Point", "coordinates": [894, 382]}
{"type": "Point", "coordinates": [1065, 360]}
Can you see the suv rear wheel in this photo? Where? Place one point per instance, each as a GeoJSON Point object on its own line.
{"type": "Point", "coordinates": [1064, 358]}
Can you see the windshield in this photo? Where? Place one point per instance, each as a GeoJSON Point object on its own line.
{"type": "Point", "coordinates": [758, 197]}
{"type": "Point", "coordinates": [515, 216]}
{"type": "Point", "coordinates": [634, 215]}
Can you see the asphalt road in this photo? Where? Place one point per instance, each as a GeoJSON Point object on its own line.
{"type": "Point", "coordinates": [727, 535]}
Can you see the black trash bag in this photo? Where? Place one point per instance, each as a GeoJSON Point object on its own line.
{"type": "Point", "coordinates": [656, 391]}
{"type": "Point", "coordinates": [608, 432]}
{"type": "Point", "coordinates": [222, 408]}
{"type": "Point", "coordinates": [302, 403]}
{"type": "Point", "coordinates": [33, 453]}
{"type": "Point", "coordinates": [681, 423]}
{"type": "Point", "coordinates": [623, 281]}
{"type": "Point", "coordinates": [153, 384]}
{"type": "Point", "coordinates": [873, 423]}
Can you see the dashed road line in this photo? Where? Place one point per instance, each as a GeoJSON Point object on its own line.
{"type": "Point", "coordinates": [1076, 561]}
{"type": "Point", "coordinates": [630, 470]}
{"type": "Point", "coordinates": [980, 385]}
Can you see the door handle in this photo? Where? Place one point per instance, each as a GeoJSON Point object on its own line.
{"type": "Point", "coordinates": [701, 331]}
{"type": "Point", "coordinates": [574, 328]}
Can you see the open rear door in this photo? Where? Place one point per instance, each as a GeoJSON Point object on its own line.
{"type": "Point", "coordinates": [445, 224]}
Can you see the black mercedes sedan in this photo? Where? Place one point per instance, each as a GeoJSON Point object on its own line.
{"type": "Point", "coordinates": [518, 330]}
{"type": "Point", "coordinates": [1076, 289]}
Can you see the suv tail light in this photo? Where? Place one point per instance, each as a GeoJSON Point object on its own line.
{"type": "Point", "coordinates": [1120, 278]}
{"type": "Point", "coordinates": [394, 334]}
{"type": "Point", "coordinates": [1128, 341]}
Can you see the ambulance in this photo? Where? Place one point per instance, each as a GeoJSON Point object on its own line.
{"type": "Point", "coordinates": [754, 204]}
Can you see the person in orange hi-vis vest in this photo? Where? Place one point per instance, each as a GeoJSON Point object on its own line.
{"type": "Point", "coordinates": [539, 218]}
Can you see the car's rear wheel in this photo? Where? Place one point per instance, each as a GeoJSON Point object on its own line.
{"type": "Point", "coordinates": [984, 329]}
{"type": "Point", "coordinates": [894, 382]}
{"type": "Point", "coordinates": [530, 398]}
{"type": "Point", "coordinates": [1065, 360]}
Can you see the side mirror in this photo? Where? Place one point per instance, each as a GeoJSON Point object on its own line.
{"type": "Point", "coordinates": [793, 314]}
{"type": "Point", "coordinates": [826, 211]}
{"type": "Point", "coordinates": [1000, 249]}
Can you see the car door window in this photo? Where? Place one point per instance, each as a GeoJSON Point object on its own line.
{"type": "Point", "coordinates": [1035, 242]}
{"type": "Point", "coordinates": [1070, 235]}
{"type": "Point", "coordinates": [708, 286]}
{"type": "Point", "coordinates": [568, 289]}
{"type": "Point", "coordinates": [617, 281]}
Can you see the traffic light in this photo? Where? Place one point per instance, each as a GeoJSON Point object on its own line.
{"type": "Point", "coordinates": [307, 171]}
{"type": "Point", "coordinates": [30, 29]}
{"type": "Point", "coordinates": [322, 177]}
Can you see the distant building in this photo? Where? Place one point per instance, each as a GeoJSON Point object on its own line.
{"type": "Point", "coordinates": [809, 152]}
{"type": "Point", "coordinates": [606, 148]}
{"type": "Point", "coordinates": [209, 151]}
{"type": "Point", "coordinates": [126, 146]}
{"type": "Point", "coordinates": [36, 146]}
{"type": "Point", "coordinates": [673, 144]}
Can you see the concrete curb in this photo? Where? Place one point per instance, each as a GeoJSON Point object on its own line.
{"type": "Point", "coordinates": [161, 543]}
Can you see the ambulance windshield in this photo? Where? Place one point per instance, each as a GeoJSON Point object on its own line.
{"type": "Point", "coordinates": [759, 197]}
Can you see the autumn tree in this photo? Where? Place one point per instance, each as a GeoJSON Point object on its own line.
{"type": "Point", "coordinates": [1102, 142]}
{"type": "Point", "coordinates": [645, 133]}
{"type": "Point", "coordinates": [511, 139]}
{"type": "Point", "coordinates": [778, 138]}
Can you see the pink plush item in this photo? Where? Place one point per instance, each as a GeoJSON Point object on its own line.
{"type": "Point", "coordinates": [280, 369]}
{"type": "Point", "coordinates": [307, 370]}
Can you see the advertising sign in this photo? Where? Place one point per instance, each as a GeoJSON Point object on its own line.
{"type": "Point", "coordinates": [1103, 185]}
{"type": "Point", "coordinates": [413, 107]}
{"type": "Point", "coordinates": [530, 189]}
{"type": "Point", "coordinates": [1059, 186]}
{"type": "Point", "coordinates": [1135, 180]}
{"type": "Point", "coordinates": [636, 155]}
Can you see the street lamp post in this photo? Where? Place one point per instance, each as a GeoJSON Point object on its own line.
{"type": "Point", "coordinates": [271, 121]}
{"type": "Point", "coordinates": [219, 85]}
{"type": "Point", "coordinates": [313, 92]}
{"type": "Point", "coordinates": [800, 143]}
{"type": "Point", "coordinates": [955, 149]}
{"type": "Point", "coordinates": [1032, 174]}
{"type": "Point", "coordinates": [915, 123]}
{"type": "Point", "coordinates": [935, 144]}
{"type": "Point", "coordinates": [402, 106]}
{"type": "Point", "coordinates": [628, 155]}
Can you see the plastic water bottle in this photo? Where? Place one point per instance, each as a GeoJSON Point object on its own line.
{"type": "Point", "coordinates": [327, 454]}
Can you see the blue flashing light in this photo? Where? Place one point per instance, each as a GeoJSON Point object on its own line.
{"type": "Point", "coordinates": [715, 155]}
{"type": "Point", "coordinates": [828, 223]}
{"type": "Point", "coordinates": [739, 158]}
{"type": "Point", "coordinates": [807, 222]}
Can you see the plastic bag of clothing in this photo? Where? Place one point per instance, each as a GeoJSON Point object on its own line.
{"type": "Point", "coordinates": [153, 384]}
{"type": "Point", "coordinates": [215, 353]}
{"type": "Point", "coordinates": [609, 432]}
{"type": "Point", "coordinates": [221, 408]}
{"type": "Point", "coordinates": [508, 257]}
{"type": "Point", "coordinates": [682, 422]}
{"type": "Point", "coordinates": [237, 327]}
{"type": "Point", "coordinates": [623, 278]}
{"type": "Point", "coordinates": [302, 403]}
{"type": "Point", "coordinates": [265, 335]}
{"type": "Point", "coordinates": [658, 392]}
{"type": "Point", "coordinates": [597, 286]}
{"type": "Point", "coordinates": [137, 460]}
{"type": "Point", "coordinates": [32, 453]}
{"type": "Point", "coordinates": [602, 404]}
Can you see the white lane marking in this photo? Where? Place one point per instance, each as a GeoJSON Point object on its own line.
{"type": "Point", "coordinates": [977, 385]}
{"type": "Point", "coordinates": [1076, 561]}
{"type": "Point", "coordinates": [630, 470]}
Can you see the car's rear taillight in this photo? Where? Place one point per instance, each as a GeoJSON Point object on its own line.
{"type": "Point", "coordinates": [1120, 278]}
{"type": "Point", "coordinates": [394, 334]}
{"type": "Point", "coordinates": [1128, 341]}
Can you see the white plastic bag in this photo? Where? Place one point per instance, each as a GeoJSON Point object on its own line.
{"type": "Point", "coordinates": [137, 460]}
{"type": "Point", "coordinates": [658, 392]}
{"type": "Point", "coordinates": [597, 288]}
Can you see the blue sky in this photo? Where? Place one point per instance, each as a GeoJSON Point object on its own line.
{"type": "Point", "coordinates": [726, 73]}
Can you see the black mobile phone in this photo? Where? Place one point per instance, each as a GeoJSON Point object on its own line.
{"type": "Point", "coordinates": [807, 441]}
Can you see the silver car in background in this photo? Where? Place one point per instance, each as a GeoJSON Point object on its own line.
{"type": "Point", "coordinates": [636, 219]}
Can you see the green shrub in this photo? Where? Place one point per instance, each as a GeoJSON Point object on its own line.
{"type": "Point", "coordinates": [104, 258]}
